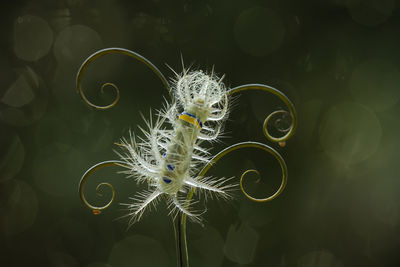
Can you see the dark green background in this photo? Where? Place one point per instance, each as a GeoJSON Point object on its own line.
{"type": "Point", "coordinates": [337, 60]}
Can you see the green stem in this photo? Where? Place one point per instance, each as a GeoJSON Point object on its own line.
{"type": "Point", "coordinates": [180, 243]}
{"type": "Point", "coordinates": [184, 250]}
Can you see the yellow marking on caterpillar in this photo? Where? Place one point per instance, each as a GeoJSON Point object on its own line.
{"type": "Point", "coordinates": [190, 118]}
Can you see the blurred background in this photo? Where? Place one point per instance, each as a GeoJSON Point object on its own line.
{"type": "Point", "coordinates": [337, 60]}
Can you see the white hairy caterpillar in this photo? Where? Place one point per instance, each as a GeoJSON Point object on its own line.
{"type": "Point", "coordinates": [168, 160]}
{"type": "Point", "coordinates": [171, 160]}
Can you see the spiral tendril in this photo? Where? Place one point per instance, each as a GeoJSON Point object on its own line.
{"type": "Point", "coordinates": [262, 87]}
{"type": "Point", "coordinates": [221, 154]}
{"type": "Point", "coordinates": [114, 50]}
{"type": "Point", "coordinates": [112, 85]}
{"type": "Point", "coordinates": [280, 123]}
{"type": "Point", "coordinates": [250, 144]}
{"type": "Point", "coordinates": [97, 209]}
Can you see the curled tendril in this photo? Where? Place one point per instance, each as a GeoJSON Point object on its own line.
{"type": "Point", "coordinates": [265, 129]}
{"type": "Point", "coordinates": [283, 184]}
{"type": "Point", "coordinates": [250, 145]}
{"type": "Point", "coordinates": [279, 122]}
{"type": "Point", "coordinates": [221, 154]}
{"type": "Point", "coordinates": [90, 171]}
{"type": "Point", "coordinates": [114, 50]}
{"type": "Point", "coordinates": [262, 87]}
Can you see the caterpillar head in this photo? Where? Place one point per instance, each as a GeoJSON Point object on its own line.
{"type": "Point", "coordinates": [199, 92]}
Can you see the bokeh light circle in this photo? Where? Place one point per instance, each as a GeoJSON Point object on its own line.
{"type": "Point", "coordinates": [72, 236]}
{"type": "Point", "coordinates": [19, 93]}
{"type": "Point", "coordinates": [319, 258]}
{"type": "Point", "coordinates": [61, 258]}
{"type": "Point", "coordinates": [140, 251]}
{"type": "Point", "coordinates": [25, 101]}
{"type": "Point", "coordinates": [19, 207]}
{"type": "Point", "coordinates": [207, 247]}
{"type": "Point", "coordinates": [241, 243]}
{"type": "Point", "coordinates": [75, 43]}
{"type": "Point", "coordinates": [33, 37]}
{"type": "Point", "coordinates": [259, 31]}
{"type": "Point", "coordinates": [376, 83]}
{"type": "Point", "coordinates": [350, 133]}
{"type": "Point", "coordinates": [371, 12]}
{"type": "Point", "coordinates": [12, 155]}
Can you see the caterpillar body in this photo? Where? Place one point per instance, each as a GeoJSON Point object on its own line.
{"type": "Point", "coordinates": [170, 159]}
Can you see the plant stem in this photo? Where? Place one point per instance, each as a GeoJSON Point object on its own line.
{"type": "Point", "coordinates": [183, 245]}
{"type": "Point", "coordinates": [180, 242]}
